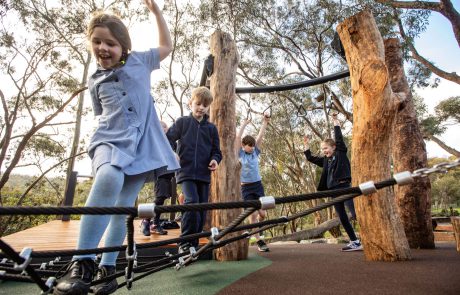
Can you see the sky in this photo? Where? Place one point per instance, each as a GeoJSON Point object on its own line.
{"type": "Point", "coordinates": [438, 44]}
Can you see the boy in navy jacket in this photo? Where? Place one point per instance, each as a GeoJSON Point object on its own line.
{"type": "Point", "coordinates": [199, 154]}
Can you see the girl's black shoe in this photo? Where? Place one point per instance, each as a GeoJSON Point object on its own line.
{"type": "Point", "coordinates": [77, 279]}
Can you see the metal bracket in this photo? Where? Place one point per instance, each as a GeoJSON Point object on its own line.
{"type": "Point", "coordinates": [403, 178]}
{"type": "Point", "coordinates": [214, 233]}
{"type": "Point", "coordinates": [50, 284]}
{"type": "Point", "coordinates": [267, 202]}
{"type": "Point", "coordinates": [131, 257]}
{"type": "Point", "coordinates": [180, 263]}
{"type": "Point", "coordinates": [25, 254]}
{"type": "Point", "coordinates": [146, 210]}
{"type": "Point", "coordinates": [367, 188]}
{"type": "Point", "coordinates": [130, 279]}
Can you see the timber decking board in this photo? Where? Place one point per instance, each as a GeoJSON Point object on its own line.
{"type": "Point", "coordinates": [63, 235]}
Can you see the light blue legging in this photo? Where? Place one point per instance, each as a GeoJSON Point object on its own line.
{"type": "Point", "coordinates": [111, 187]}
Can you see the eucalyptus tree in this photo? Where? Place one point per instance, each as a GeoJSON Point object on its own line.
{"type": "Point", "coordinates": [411, 19]}
{"type": "Point", "coordinates": [282, 42]}
{"type": "Point", "coordinates": [58, 30]}
{"type": "Point", "coordinates": [446, 114]}
{"type": "Point", "coordinates": [190, 42]}
{"type": "Point", "coordinates": [44, 64]}
{"type": "Point", "coordinates": [407, 20]}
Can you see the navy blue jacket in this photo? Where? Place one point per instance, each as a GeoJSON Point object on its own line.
{"type": "Point", "coordinates": [197, 144]}
{"type": "Point", "coordinates": [341, 171]}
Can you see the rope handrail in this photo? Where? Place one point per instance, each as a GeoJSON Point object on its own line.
{"type": "Point", "coordinates": [341, 196]}
{"type": "Point", "coordinates": [297, 85]}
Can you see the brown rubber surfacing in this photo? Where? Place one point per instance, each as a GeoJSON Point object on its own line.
{"type": "Point", "coordinates": [324, 269]}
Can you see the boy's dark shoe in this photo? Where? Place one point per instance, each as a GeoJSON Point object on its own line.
{"type": "Point", "coordinates": [158, 230]}
{"type": "Point", "coordinates": [145, 227]}
{"type": "Point", "coordinates": [77, 278]}
{"type": "Point", "coordinates": [108, 287]}
{"type": "Point", "coordinates": [262, 247]}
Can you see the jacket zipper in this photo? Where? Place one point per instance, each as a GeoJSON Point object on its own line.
{"type": "Point", "coordinates": [196, 149]}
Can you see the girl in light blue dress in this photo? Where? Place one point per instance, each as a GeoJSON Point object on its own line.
{"type": "Point", "coordinates": [128, 146]}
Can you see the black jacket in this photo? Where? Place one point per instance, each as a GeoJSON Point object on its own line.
{"type": "Point", "coordinates": [197, 144]}
{"type": "Point", "coordinates": [341, 170]}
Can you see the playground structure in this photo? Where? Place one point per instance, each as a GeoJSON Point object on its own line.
{"type": "Point", "coordinates": [375, 110]}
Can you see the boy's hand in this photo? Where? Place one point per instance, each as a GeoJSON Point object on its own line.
{"type": "Point", "coordinates": [213, 165]}
{"type": "Point", "coordinates": [306, 142]}
{"type": "Point", "coordinates": [335, 120]}
{"type": "Point", "coordinates": [246, 122]}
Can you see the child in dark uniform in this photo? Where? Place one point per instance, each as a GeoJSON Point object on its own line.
{"type": "Point", "coordinates": [336, 174]}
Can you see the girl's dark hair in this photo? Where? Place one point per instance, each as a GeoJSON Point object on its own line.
{"type": "Point", "coordinates": [248, 140]}
{"type": "Point", "coordinates": [115, 26]}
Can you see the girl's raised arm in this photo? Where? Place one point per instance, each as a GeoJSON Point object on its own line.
{"type": "Point", "coordinates": [165, 46]}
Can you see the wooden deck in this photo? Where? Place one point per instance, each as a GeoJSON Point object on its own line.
{"type": "Point", "coordinates": [63, 235]}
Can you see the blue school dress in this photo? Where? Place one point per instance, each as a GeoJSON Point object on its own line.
{"type": "Point", "coordinates": [129, 134]}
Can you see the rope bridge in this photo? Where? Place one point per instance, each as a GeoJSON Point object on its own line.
{"type": "Point", "coordinates": [20, 267]}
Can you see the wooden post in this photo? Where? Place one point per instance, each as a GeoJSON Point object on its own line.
{"type": "Point", "coordinates": [225, 182]}
{"type": "Point", "coordinates": [374, 110]}
{"type": "Point", "coordinates": [409, 153]}
{"type": "Point", "coordinates": [456, 228]}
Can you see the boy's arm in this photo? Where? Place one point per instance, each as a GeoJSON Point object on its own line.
{"type": "Point", "coordinates": [216, 154]}
{"type": "Point", "coordinates": [339, 143]}
{"type": "Point", "coordinates": [173, 134]}
{"type": "Point", "coordinates": [310, 157]}
{"type": "Point", "coordinates": [261, 134]}
{"type": "Point", "coordinates": [165, 43]}
{"type": "Point", "coordinates": [238, 136]}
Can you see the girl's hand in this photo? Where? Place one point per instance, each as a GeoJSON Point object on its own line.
{"type": "Point", "coordinates": [213, 165]}
{"type": "Point", "coordinates": [151, 5]}
{"type": "Point", "coordinates": [267, 118]}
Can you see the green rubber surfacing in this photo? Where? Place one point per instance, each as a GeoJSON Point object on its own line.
{"type": "Point", "coordinates": [204, 277]}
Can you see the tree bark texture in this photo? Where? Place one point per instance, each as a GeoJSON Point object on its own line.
{"type": "Point", "coordinates": [225, 182]}
{"type": "Point", "coordinates": [382, 232]}
{"type": "Point", "coordinates": [409, 153]}
{"type": "Point", "coordinates": [456, 227]}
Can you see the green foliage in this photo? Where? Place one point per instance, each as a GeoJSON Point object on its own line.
{"type": "Point", "coordinates": [445, 188]}
{"type": "Point", "coordinates": [446, 113]}
{"type": "Point", "coordinates": [44, 193]}
{"type": "Point", "coordinates": [432, 125]}
{"type": "Point", "coordinates": [449, 109]}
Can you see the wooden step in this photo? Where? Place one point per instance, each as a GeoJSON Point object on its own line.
{"type": "Point", "coordinates": [443, 236]}
{"type": "Point", "coordinates": [63, 235]}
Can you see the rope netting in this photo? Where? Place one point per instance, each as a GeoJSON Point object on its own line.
{"type": "Point", "coordinates": [22, 266]}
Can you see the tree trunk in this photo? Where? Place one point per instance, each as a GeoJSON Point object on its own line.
{"type": "Point", "coordinates": [225, 182]}
{"type": "Point", "coordinates": [443, 145]}
{"type": "Point", "coordinates": [409, 153]}
{"type": "Point", "coordinates": [374, 107]}
{"type": "Point", "coordinates": [76, 134]}
{"type": "Point", "coordinates": [312, 233]}
{"type": "Point", "coordinates": [456, 228]}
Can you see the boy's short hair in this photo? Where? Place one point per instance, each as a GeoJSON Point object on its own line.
{"type": "Point", "coordinates": [202, 94]}
{"type": "Point", "coordinates": [329, 141]}
{"type": "Point", "coordinates": [248, 140]}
